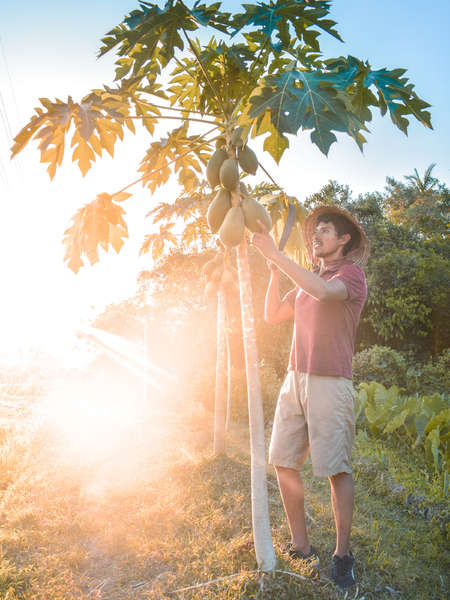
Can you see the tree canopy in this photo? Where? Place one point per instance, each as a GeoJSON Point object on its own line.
{"type": "Point", "coordinates": [261, 68]}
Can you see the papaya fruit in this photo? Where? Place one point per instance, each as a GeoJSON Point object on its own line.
{"type": "Point", "coordinates": [229, 174]}
{"type": "Point", "coordinates": [218, 209]}
{"type": "Point", "coordinates": [237, 137]}
{"type": "Point", "coordinates": [253, 212]}
{"type": "Point", "coordinates": [247, 160]}
{"type": "Point", "coordinates": [232, 230]}
{"type": "Point", "coordinates": [213, 166]}
{"type": "Point", "coordinates": [243, 189]}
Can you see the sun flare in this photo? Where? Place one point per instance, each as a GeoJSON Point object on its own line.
{"type": "Point", "coordinates": [115, 418]}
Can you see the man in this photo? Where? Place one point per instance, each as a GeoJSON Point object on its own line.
{"type": "Point", "coordinates": [315, 407]}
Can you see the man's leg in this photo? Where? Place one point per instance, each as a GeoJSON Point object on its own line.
{"type": "Point", "coordinates": [292, 494]}
{"type": "Point", "coordinates": [342, 499]}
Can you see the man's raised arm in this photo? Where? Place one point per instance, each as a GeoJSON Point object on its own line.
{"type": "Point", "coordinates": [276, 310]}
{"type": "Point", "coordinates": [311, 283]}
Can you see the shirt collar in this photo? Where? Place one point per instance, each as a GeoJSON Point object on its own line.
{"type": "Point", "coordinates": [331, 267]}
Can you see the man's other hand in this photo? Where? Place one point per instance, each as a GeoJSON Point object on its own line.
{"type": "Point", "coordinates": [264, 242]}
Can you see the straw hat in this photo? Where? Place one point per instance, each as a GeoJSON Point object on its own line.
{"type": "Point", "coordinates": [360, 251]}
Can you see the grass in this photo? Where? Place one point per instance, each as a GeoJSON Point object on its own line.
{"type": "Point", "coordinates": [158, 513]}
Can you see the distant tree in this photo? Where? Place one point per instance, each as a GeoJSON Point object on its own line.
{"type": "Point", "coordinates": [332, 193]}
{"type": "Point", "coordinates": [425, 184]}
{"type": "Point", "coordinates": [422, 205]}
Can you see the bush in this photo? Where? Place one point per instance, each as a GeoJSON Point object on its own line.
{"type": "Point", "coordinates": [431, 377]}
{"type": "Point", "coordinates": [381, 364]}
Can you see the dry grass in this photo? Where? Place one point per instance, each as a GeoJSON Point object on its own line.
{"type": "Point", "coordinates": [158, 513]}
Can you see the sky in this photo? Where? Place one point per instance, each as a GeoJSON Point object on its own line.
{"type": "Point", "coordinates": [48, 49]}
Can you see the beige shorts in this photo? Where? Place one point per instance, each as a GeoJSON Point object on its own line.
{"type": "Point", "coordinates": [314, 413]}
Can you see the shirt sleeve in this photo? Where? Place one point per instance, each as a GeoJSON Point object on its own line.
{"type": "Point", "coordinates": [354, 280]}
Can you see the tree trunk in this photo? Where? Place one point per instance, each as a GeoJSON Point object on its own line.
{"type": "Point", "coordinates": [220, 401]}
{"type": "Point", "coordinates": [262, 535]}
{"type": "Point", "coordinates": [228, 349]}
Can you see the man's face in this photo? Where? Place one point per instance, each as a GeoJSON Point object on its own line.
{"type": "Point", "coordinates": [326, 242]}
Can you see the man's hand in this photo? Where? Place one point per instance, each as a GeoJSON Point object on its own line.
{"type": "Point", "coordinates": [265, 244]}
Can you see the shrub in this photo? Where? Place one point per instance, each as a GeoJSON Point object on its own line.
{"type": "Point", "coordinates": [381, 364]}
{"type": "Point", "coordinates": [431, 377]}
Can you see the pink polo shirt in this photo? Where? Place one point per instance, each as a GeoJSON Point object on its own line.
{"type": "Point", "coordinates": [324, 331]}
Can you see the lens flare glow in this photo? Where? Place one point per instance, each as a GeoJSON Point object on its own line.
{"type": "Point", "coordinates": [114, 419]}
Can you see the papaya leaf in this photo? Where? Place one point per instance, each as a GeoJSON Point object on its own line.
{"type": "Point", "coordinates": [395, 94]}
{"type": "Point", "coordinates": [162, 212]}
{"type": "Point", "coordinates": [304, 99]}
{"type": "Point", "coordinates": [177, 153]}
{"type": "Point", "coordinates": [196, 233]}
{"type": "Point", "coordinates": [275, 144]}
{"type": "Point", "coordinates": [50, 127]}
{"type": "Point", "coordinates": [98, 119]}
{"type": "Point", "coordinates": [156, 243]}
{"type": "Point", "coordinates": [99, 223]}
{"type": "Point", "coordinates": [121, 196]}
{"type": "Point", "coordinates": [157, 32]}
{"type": "Point", "coordinates": [280, 16]}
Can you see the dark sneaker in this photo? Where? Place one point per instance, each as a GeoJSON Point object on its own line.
{"type": "Point", "coordinates": [311, 559]}
{"type": "Point", "coordinates": [342, 570]}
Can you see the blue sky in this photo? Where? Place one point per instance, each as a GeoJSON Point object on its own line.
{"type": "Point", "coordinates": [49, 49]}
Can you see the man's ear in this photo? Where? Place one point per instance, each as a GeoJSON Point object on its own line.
{"type": "Point", "coordinates": [344, 238]}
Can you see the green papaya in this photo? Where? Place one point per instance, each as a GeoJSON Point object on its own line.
{"type": "Point", "coordinates": [254, 212]}
{"type": "Point", "coordinates": [243, 189]}
{"type": "Point", "coordinates": [232, 230]}
{"type": "Point", "coordinates": [229, 174]}
{"type": "Point", "coordinates": [236, 137]}
{"type": "Point", "coordinates": [218, 209]}
{"type": "Point", "coordinates": [213, 166]}
{"type": "Point", "coordinates": [247, 160]}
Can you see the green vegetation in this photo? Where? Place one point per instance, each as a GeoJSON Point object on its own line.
{"type": "Point", "coordinates": [421, 422]}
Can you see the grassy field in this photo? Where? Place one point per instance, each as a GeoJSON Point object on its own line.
{"type": "Point", "coordinates": [140, 509]}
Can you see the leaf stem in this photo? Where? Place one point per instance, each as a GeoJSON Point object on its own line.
{"type": "Point", "coordinates": [270, 177]}
{"type": "Point", "coordinates": [180, 118]}
{"type": "Point", "coordinates": [255, 62]}
{"type": "Point", "coordinates": [211, 85]}
{"type": "Point", "coordinates": [196, 112]}
{"type": "Point", "coordinates": [169, 163]}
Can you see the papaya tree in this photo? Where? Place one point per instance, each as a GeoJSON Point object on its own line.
{"type": "Point", "coordinates": [262, 72]}
{"type": "Point", "coordinates": [217, 274]}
